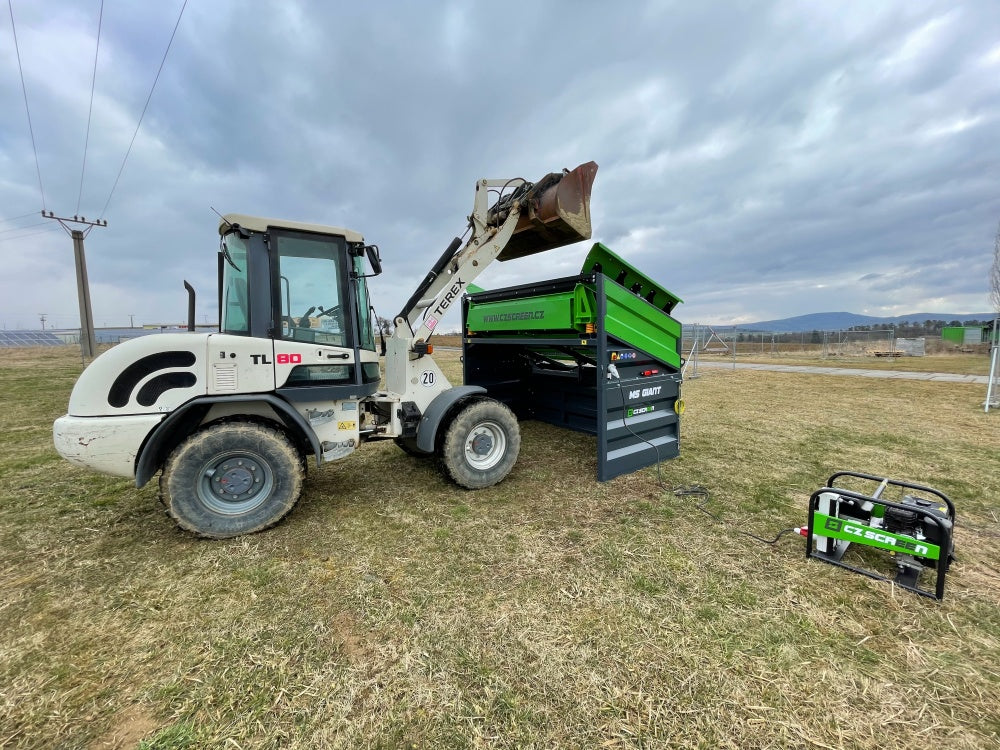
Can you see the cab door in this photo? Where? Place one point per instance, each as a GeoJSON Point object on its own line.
{"type": "Point", "coordinates": [316, 364]}
{"type": "Point", "coordinates": [315, 341]}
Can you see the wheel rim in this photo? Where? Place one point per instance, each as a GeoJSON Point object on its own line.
{"type": "Point", "coordinates": [485, 445]}
{"type": "Point", "coordinates": [235, 482]}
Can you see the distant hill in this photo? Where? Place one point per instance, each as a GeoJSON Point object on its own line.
{"type": "Point", "coordinates": [835, 321]}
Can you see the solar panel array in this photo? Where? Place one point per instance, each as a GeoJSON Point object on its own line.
{"type": "Point", "coordinates": [11, 339]}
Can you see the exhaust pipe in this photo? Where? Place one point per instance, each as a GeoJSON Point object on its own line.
{"type": "Point", "coordinates": [190, 291]}
{"type": "Point", "coordinates": [555, 211]}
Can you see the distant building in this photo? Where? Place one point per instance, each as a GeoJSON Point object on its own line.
{"type": "Point", "coordinates": [967, 335]}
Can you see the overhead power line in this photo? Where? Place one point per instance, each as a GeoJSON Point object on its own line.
{"type": "Point", "coordinates": [138, 124]}
{"type": "Point", "coordinates": [21, 228]}
{"type": "Point", "coordinates": [22, 216]}
{"type": "Point", "coordinates": [24, 90]}
{"type": "Point", "coordinates": [29, 234]}
{"type": "Point", "coordinates": [90, 110]}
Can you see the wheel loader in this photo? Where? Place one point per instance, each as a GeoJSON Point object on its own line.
{"type": "Point", "coordinates": [229, 420]}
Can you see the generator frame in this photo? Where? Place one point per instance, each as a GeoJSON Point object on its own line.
{"type": "Point", "coordinates": [909, 569]}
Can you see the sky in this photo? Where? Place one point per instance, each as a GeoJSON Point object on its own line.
{"type": "Point", "coordinates": [760, 160]}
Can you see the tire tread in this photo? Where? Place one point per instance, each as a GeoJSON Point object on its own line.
{"type": "Point", "coordinates": [452, 454]}
{"type": "Point", "coordinates": [177, 480]}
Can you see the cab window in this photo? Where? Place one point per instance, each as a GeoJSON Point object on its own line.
{"type": "Point", "coordinates": [311, 301]}
{"type": "Point", "coordinates": [366, 331]}
{"type": "Point", "coordinates": [235, 297]}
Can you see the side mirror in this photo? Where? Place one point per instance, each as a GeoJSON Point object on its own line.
{"type": "Point", "coordinates": [373, 259]}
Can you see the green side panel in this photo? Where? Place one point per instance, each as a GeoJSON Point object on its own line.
{"type": "Point", "coordinates": [561, 311]}
{"type": "Point", "coordinates": [852, 531]}
{"type": "Point", "coordinates": [601, 258]}
{"type": "Point", "coordinates": [640, 324]}
{"type": "Point", "coordinates": [637, 310]}
{"type": "Point", "coordinates": [953, 334]}
{"type": "Point", "coordinates": [584, 307]}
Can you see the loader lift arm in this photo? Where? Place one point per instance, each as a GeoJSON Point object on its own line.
{"type": "Point", "coordinates": [532, 218]}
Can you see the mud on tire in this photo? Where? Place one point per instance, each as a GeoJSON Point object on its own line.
{"type": "Point", "coordinates": [481, 444]}
{"type": "Point", "coordinates": [230, 479]}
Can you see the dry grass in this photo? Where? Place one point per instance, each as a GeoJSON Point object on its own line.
{"type": "Point", "coordinates": [958, 364]}
{"type": "Point", "coordinates": [393, 610]}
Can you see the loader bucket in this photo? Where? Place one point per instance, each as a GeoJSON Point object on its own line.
{"type": "Point", "coordinates": [557, 213]}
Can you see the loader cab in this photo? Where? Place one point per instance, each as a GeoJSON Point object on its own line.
{"type": "Point", "coordinates": [302, 284]}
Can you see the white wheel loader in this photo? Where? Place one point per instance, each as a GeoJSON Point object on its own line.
{"type": "Point", "coordinates": [229, 419]}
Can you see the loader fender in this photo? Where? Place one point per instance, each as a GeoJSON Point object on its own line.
{"type": "Point", "coordinates": [185, 420]}
{"type": "Point", "coordinates": [437, 410]}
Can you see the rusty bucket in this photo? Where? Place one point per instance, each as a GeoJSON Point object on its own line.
{"type": "Point", "coordinates": [557, 213]}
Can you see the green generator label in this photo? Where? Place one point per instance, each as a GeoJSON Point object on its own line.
{"type": "Point", "coordinates": [852, 531]}
{"type": "Point", "coordinates": [633, 411]}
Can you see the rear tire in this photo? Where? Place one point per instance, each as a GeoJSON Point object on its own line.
{"type": "Point", "coordinates": [230, 479]}
{"type": "Point", "coordinates": [481, 444]}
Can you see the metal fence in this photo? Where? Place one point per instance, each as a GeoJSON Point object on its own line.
{"type": "Point", "coordinates": [733, 341]}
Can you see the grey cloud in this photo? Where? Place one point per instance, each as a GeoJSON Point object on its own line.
{"type": "Point", "coordinates": [748, 154]}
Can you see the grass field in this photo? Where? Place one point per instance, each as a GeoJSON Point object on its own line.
{"type": "Point", "coordinates": [391, 609]}
{"type": "Point", "coordinates": [959, 364]}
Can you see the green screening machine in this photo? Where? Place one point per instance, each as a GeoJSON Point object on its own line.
{"type": "Point", "coordinates": [598, 353]}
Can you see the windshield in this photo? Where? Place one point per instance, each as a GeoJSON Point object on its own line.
{"type": "Point", "coordinates": [235, 303]}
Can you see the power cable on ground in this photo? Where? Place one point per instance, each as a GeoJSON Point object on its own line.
{"type": "Point", "coordinates": [694, 490]}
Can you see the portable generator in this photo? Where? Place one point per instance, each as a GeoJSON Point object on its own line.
{"type": "Point", "coordinates": [916, 531]}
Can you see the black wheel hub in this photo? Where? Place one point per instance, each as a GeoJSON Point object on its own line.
{"type": "Point", "coordinates": [236, 480]}
{"type": "Point", "coordinates": [235, 484]}
{"type": "Point", "coordinates": [482, 444]}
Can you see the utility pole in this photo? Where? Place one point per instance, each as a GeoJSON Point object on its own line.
{"type": "Point", "coordinates": [41, 317]}
{"type": "Point", "coordinates": [88, 342]}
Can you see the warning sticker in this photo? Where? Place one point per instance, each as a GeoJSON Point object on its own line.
{"type": "Point", "coordinates": [347, 425]}
{"type": "Point", "coordinates": [622, 356]}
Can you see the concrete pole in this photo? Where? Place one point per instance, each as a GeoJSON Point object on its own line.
{"type": "Point", "coordinates": [88, 342]}
{"type": "Point", "coordinates": [994, 351]}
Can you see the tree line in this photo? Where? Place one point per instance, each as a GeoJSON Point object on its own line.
{"type": "Point", "coordinates": [904, 329]}
{"type": "Point", "coordinates": [914, 329]}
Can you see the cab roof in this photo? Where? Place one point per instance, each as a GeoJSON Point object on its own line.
{"type": "Point", "coordinates": [259, 224]}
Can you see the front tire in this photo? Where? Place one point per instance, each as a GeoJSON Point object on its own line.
{"type": "Point", "coordinates": [481, 444]}
{"type": "Point", "coordinates": [231, 479]}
